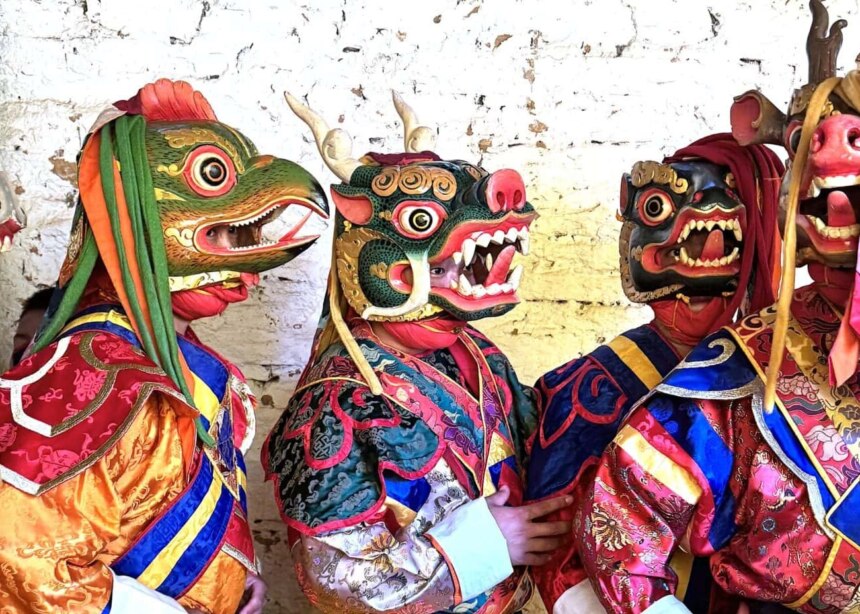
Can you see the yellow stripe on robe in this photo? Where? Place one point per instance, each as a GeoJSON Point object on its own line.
{"type": "Point", "coordinates": [205, 400]}
{"type": "Point", "coordinates": [661, 467]}
{"type": "Point", "coordinates": [632, 355]}
{"type": "Point", "coordinates": [114, 317]}
{"type": "Point", "coordinates": [165, 562]}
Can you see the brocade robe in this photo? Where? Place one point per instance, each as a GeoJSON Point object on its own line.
{"type": "Point", "coordinates": [701, 466]}
{"type": "Point", "coordinates": [109, 501]}
{"type": "Point", "coordinates": [384, 495]}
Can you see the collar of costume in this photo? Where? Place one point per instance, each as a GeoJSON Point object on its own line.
{"type": "Point", "coordinates": [431, 334]}
{"type": "Point", "coordinates": [211, 300]}
{"type": "Point", "coordinates": [686, 324]}
{"type": "Point", "coordinates": [437, 334]}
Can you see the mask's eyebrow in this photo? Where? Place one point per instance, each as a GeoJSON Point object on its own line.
{"type": "Point", "coordinates": [247, 145]}
{"type": "Point", "coordinates": [179, 138]}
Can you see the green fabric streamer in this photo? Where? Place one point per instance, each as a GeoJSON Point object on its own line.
{"type": "Point", "coordinates": [161, 346]}
{"type": "Point", "coordinates": [72, 292]}
{"type": "Point", "coordinates": [106, 160]}
{"type": "Point", "coordinates": [152, 263]}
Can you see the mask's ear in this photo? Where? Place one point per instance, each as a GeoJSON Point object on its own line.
{"type": "Point", "coordinates": [356, 208]}
{"type": "Point", "coordinates": [625, 194]}
{"type": "Point", "coordinates": [755, 120]}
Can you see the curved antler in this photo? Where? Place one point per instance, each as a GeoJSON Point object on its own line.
{"type": "Point", "coordinates": [822, 47]}
{"type": "Point", "coordinates": [415, 138]}
{"type": "Point", "coordinates": [335, 146]}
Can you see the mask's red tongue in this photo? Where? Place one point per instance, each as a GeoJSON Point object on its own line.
{"type": "Point", "coordinates": [714, 248]}
{"type": "Point", "coordinates": [501, 266]}
{"type": "Point", "coordinates": [839, 210]}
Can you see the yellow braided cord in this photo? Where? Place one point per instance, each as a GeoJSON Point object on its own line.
{"type": "Point", "coordinates": [786, 290]}
{"type": "Point", "coordinates": [336, 316]}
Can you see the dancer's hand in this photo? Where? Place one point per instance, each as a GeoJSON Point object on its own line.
{"type": "Point", "coordinates": [255, 595]}
{"type": "Point", "coordinates": [530, 540]}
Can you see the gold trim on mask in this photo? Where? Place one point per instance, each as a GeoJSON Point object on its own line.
{"type": "Point", "coordinates": [186, 137]}
{"type": "Point", "coordinates": [415, 179]}
{"type": "Point", "coordinates": [185, 236]}
{"type": "Point", "coordinates": [347, 248]}
{"type": "Point", "coordinates": [190, 282]}
{"type": "Point", "coordinates": [165, 195]}
{"type": "Point", "coordinates": [649, 171]}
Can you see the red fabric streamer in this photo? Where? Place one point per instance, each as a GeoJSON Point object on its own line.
{"type": "Point", "coordinates": [757, 172]}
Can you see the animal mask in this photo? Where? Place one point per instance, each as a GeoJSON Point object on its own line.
{"type": "Point", "coordinates": [171, 199]}
{"type": "Point", "coordinates": [827, 221]}
{"type": "Point", "coordinates": [683, 230]}
{"type": "Point", "coordinates": [416, 235]}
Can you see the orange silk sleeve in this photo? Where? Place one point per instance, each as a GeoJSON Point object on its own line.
{"type": "Point", "coordinates": [55, 548]}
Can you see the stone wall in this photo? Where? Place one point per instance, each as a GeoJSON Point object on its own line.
{"type": "Point", "coordinates": [569, 93]}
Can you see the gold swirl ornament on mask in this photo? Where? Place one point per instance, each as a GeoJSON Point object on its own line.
{"type": "Point", "coordinates": [414, 180]}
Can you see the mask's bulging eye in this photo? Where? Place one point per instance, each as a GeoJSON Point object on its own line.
{"type": "Point", "coordinates": [418, 220]}
{"type": "Point", "coordinates": [792, 137]}
{"type": "Point", "coordinates": [655, 207]}
{"type": "Point", "coordinates": [209, 171]}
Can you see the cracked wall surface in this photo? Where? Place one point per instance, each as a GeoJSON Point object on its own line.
{"type": "Point", "coordinates": [570, 94]}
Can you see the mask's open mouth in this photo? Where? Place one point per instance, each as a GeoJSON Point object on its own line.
{"type": "Point", "coordinates": [828, 216]}
{"type": "Point", "coordinates": [245, 235]}
{"type": "Point", "coordinates": [701, 244]}
{"type": "Point", "coordinates": [474, 269]}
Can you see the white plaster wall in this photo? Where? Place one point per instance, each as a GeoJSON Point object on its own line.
{"type": "Point", "coordinates": [569, 93]}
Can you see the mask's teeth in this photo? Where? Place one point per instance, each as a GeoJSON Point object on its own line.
{"type": "Point", "coordinates": [512, 235]}
{"type": "Point", "coordinates": [709, 225]}
{"type": "Point", "coordinates": [524, 245]}
{"type": "Point", "coordinates": [458, 258]}
{"type": "Point", "coordinates": [483, 239]}
{"type": "Point", "coordinates": [515, 276]}
{"type": "Point", "coordinates": [468, 252]}
{"type": "Point", "coordinates": [488, 262]}
{"type": "Point", "coordinates": [465, 286]}
{"type": "Point", "coordinates": [499, 237]}
{"type": "Point", "coordinates": [685, 259]}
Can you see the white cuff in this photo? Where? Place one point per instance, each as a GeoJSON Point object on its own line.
{"type": "Point", "coordinates": [474, 547]}
{"type": "Point", "coordinates": [667, 605]}
{"type": "Point", "coordinates": [578, 599]}
{"type": "Point", "coordinates": [131, 597]}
